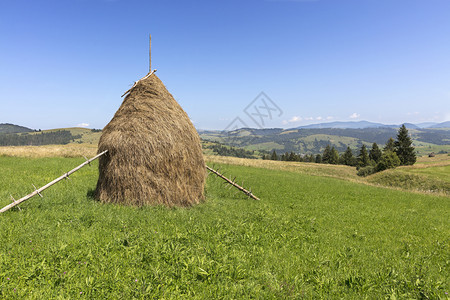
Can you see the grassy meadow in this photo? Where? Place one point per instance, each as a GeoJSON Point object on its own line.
{"type": "Point", "coordinates": [313, 235]}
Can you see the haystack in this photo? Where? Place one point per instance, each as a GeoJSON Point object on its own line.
{"type": "Point", "coordinates": [154, 153]}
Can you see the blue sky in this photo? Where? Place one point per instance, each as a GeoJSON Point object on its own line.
{"type": "Point", "coordinates": [66, 63]}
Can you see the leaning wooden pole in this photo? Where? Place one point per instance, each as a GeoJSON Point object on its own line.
{"type": "Point", "coordinates": [248, 193]}
{"type": "Point", "coordinates": [150, 53]}
{"type": "Point", "coordinates": [38, 191]}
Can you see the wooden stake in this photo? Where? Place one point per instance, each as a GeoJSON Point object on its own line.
{"type": "Point", "coordinates": [38, 191]}
{"type": "Point", "coordinates": [248, 193]}
{"type": "Point", "coordinates": [14, 200]}
{"type": "Point", "coordinates": [150, 54]}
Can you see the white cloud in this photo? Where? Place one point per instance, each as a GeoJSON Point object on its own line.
{"type": "Point", "coordinates": [83, 125]}
{"type": "Point", "coordinates": [309, 118]}
{"type": "Point", "coordinates": [330, 118]}
{"type": "Point", "coordinates": [319, 118]}
{"type": "Point", "coordinates": [354, 116]}
{"type": "Point", "coordinates": [294, 119]}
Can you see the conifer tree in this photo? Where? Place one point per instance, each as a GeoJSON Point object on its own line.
{"type": "Point", "coordinates": [375, 153]}
{"type": "Point", "coordinates": [293, 157]}
{"type": "Point", "coordinates": [363, 157]}
{"type": "Point", "coordinates": [318, 158]}
{"type": "Point", "coordinates": [403, 148]}
{"type": "Point", "coordinates": [326, 155]}
{"type": "Point", "coordinates": [274, 155]}
{"type": "Point", "coordinates": [390, 145]}
{"type": "Point", "coordinates": [334, 157]}
{"type": "Point", "coordinates": [348, 158]}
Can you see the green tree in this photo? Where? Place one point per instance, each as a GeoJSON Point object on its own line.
{"type": "Point", "coordinates": [390, 145]}
{"type": "Point", "coordinates": [326, 154]}
{"type": "Point", "coordinates": [403, 147]}
{"type": "Point", "coordinates": [388, 160]}
{"type": "Point", "coordinates": [348, 158]}
{"type": "Point", "coordinates": [318, 158]}
{"type": "Point", "coordinates": [334, 157]}
{"type": "Point", "coordinates": [274, 155]}
{"type": "Point", "coordinates": [363, 157]}
{"type": "Point", "coordinates": [375, 153]}
{"type": "Point", "coordinates": [294, 157]}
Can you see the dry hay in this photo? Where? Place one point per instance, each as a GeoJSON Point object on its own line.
{"type": "Point", "coordinates": [154, 152]}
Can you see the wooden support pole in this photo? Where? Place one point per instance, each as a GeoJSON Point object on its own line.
{"type": "Point", "coordinates": [150, 54]}
{"type": "Point", "coordinates": [231, 182]}
{"type": "Point", "coordinates": [38, 191]}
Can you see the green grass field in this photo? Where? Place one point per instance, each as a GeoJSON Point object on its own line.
{"type": "Point", "coordinates": [309, 237]}
{"type": "Point", "coordinates": [440, 172]}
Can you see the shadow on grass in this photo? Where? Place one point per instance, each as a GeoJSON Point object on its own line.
{"type": "Point", "coordinates": [91, 195]}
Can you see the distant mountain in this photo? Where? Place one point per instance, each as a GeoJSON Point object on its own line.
{"type": "Point", "coordinates": [11, 128]}
{"type": "Point", "coordinates": [355, 125]}
{"type": "Point", "coordinates": [441, 125]}
{"type": "Point", "coordinates": [426, 124]}
{"type": "Point", "coordinates": [407, 125]}
{"type": "Point", "coordinates": [314, 140]}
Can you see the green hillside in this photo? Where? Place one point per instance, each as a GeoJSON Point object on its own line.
{"type": "Point", "coordinates": [429, 174]}
{"type": "Point", "coordinates": [61, 136]}
{"type": "Point", "coordinates": [314, 141]}
{"type": "Point", "coordinates": [305, 141]}
{"type": "Point", "coordinates": [84, 135]}
{"type": "Point", "coordinates": [11, 128]}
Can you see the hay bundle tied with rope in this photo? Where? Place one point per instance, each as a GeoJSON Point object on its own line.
{"type": "Point", "coordinates": [154, 152]}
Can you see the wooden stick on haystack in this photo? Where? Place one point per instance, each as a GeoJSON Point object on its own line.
{"type": "Point", "coordinates": [233, 183]}
{"type": "Point", "coordinates": [38, 191]}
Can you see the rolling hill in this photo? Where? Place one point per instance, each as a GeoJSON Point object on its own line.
{"type": "Point", "coordinates": [367, 124]}
{"type": "Point", "coordinates": [314, 140]}
{"type": "Point", "coordinates": [11, 128]}
{"type": "Point", "coordinates": [298, 140]}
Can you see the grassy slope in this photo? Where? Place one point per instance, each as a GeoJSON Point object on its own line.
{"type": "Point", "coordinates": [87, 136]}
{"type": "Point", "coordinates": [431, 174]}
{"type": "Point", "coordinates": [428, 175]}
{"type": "Point", "coordinates": [441, 173]}
{"type": "Point", "coordinates": [310, 236]}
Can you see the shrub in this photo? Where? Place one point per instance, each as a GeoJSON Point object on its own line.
{"type": "Point", "coordinates": [388, 160]}
{"type": "Point", "coordinates": [366, 171]}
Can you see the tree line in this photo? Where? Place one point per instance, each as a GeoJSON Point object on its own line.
{"type": "Point", "coordinates": [395, 153]}
{"type": "Point", "coordinates": [60, 137]}
{"type": "Point", "coordinates": [222, 150]}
